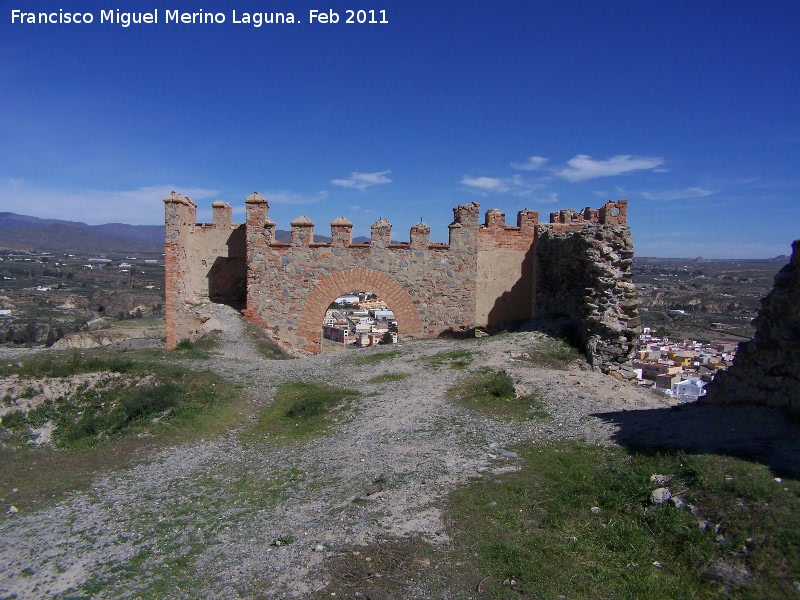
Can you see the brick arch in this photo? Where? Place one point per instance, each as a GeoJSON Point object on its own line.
{"type": "Point", "coordinates": [387, 289]}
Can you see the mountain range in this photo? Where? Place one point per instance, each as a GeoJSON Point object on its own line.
{"type": "Point", "coordinates": [25, 233]}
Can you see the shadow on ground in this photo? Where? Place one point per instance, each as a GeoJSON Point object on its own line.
{"type": "Point", "coordinates": [752, 432]}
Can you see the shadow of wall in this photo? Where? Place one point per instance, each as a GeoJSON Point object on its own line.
{"type": "Point", "coordinates": [227, 277]}
{"type": "Point", "coordinates": [515, 304]}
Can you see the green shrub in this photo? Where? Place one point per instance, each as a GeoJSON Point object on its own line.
{"type": "Point", "coordinates": [500, 385]}
{"type": "Point", "coordinates": [143, 402]}
{"type": "Point", "coordinates": [15, 420]}
{"type": "Point", "coordinates": [492, 393]}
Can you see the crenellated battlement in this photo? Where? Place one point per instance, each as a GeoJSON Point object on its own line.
{"type": "Point", "coordinates": [181, 212]}
{"type": "Point", "coordinates": [486, 274]}
{"type": "Point", "coordinates": [611, 213]}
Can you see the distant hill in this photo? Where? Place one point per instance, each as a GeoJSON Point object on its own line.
{"type": "Point", "coordinates": [22, 232]}
{"type": "Point", "coordinates": [25, 233]}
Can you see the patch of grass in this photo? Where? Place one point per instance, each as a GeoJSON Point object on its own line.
{"type": "Point", "coordinates": [492, 393]}
{"type": "Point", "coordinates": [388, 377]}
{"type": "Point", "coordinates": [376, 356]}
{"type": "Point", "coordinates": [64, 364]}
{"type": "Point", "coordinates": [198, 349]}
{"type": "Point", "coordinates": [552, 353]}
{"type": "Point", "coordinates": [302, 409]}
{"type": "Point", "coordinates": [537, 527]}
{"type": "Point", "coordinates": [457, 359]}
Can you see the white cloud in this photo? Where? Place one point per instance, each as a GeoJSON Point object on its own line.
{"type": "Point", "coordinates": [486, 184]}
{"type": "Point", "coordinates": [583, 166]}
{"type": "Point", "coordinates": [287, 197]}
{"type": "Point", "coordinates": [684, 194]}
{"type": "Point", "coordinates": [534, 163]}
{"type": "Point", "coordinates": [362, 181]}
{"type": "Point", "coordinates": [140, 206]}
{"type": "Point", "coordinates": [550, 198]}
{"type": "Point", "coordinates": [514, 185]}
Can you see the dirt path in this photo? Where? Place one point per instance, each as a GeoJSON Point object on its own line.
{"type": "Point", "coordinates": [201, 520]}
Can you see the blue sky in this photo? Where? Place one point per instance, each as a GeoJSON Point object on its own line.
{"type": "Point", "coordinates": [690, 110]}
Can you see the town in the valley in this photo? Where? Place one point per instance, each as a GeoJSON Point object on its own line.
{"type": "Point", "coordinates": [360, 319]}
{"type": "Point", "coordinates": [680, 369]}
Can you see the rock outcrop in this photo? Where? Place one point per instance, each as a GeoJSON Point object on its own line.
{"type": "Point", "coordinates": [585, 274]}
{"type": "Point", "coordinates": [767, 368]}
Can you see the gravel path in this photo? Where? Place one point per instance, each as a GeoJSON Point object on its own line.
{"type": "Point", "coordinates": [201, 520]}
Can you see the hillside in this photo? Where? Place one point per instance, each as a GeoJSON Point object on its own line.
{"type": "Point", "coordinates": [25, 233]}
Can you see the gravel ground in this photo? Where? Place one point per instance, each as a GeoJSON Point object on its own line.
{"type": "Point", "coordinates": [202, 520]}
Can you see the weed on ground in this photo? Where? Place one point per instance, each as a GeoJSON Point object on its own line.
{"type": "Point", "coordinates": [149, 404]}
{"type": "Point", "coordinates": [578, 521]}
{"type": "Point", "coordinates": [302, 409]}
{"type": "Point", "coordinates": [456, 359]}
{"type": "Point", "coordinates": [199, 349]}
{"type": "Point", "coordinates": [374, 356]}
{"type": "Point", "coordinates": [265, 345]}
{"type": "Point", "coordinates": [492, 393]}
{"type": "Point", "coordinates": [551, 353]}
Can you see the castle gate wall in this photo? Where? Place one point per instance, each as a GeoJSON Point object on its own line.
{"type": "Point", "coordinates": [486, 275]}
{"type": "Point", "coordinates": [431, 287]}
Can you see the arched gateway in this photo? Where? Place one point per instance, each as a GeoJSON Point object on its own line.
{"type": "Point", "coordinates": [357, 279]}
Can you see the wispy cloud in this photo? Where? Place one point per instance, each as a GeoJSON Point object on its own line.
{"type": "Point", "coordinates": [514, 185]}
{"type": "Point", "coordinates": [140, 206]}
{"type": "Point", "coordinates": [362, 181]}
{"type": "Point", "coordinates": [487, 184]}
{"type": "Point", "coordinates": [287, 197]}
{"type": "Point", "coordinates": [683, 194]}
{"type": "Point", "coordinates": [583, 166]}
{"type": "Point", "coordinates": [550, 198]}
{"type": "Point", "coordinates": [534, 163]}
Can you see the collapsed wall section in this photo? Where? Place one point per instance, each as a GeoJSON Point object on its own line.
{"type": "Point", "coordinates": [766, 369]}
{"type": "Point", "coordinates": [583, 271]}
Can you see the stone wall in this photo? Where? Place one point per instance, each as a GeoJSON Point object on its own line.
{"type": "Point", "coordinates": [583, 271]}
{"type": "Point", "coordinates": [766, 369]}
{"type": "Point", "coordinates": [486, 275]}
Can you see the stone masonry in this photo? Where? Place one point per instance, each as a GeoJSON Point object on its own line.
{"type": "Point", "coordinates": [766, 369]}
{"type": "Point", "coordinates": [486, 275]}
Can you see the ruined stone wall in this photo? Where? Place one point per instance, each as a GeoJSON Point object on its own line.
{"type": "Point", "coordinates": [203, 262]}
{"type": "Point", "coordinates": [583, 271]}
{"type": "Point", "coordinates": [766, 369]}
{"type": "Point", "coordinates": [486, 275]}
